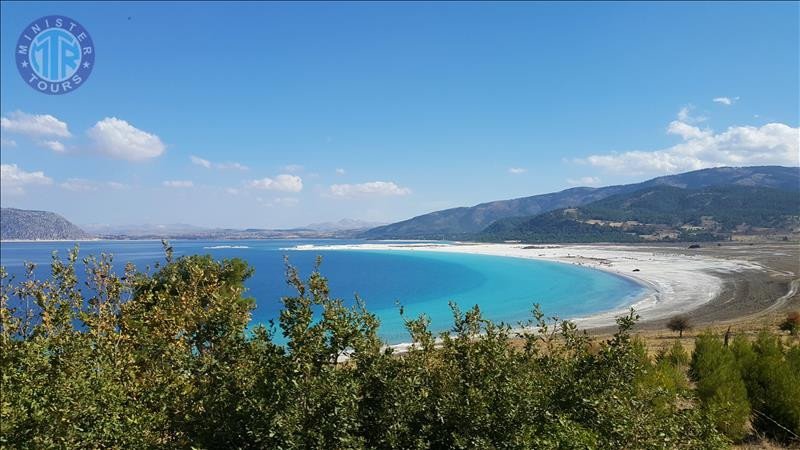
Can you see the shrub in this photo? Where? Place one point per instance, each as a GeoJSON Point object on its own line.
{"type": "Point", "coordinates": [773, 384]}
{"type": "Point", "coordinates": [719, 386]}
{"type": "Point", "coordinates": [166, 360]}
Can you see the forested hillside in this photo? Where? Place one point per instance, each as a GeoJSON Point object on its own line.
{"type": "Point", "coordinates": [464, 222]}
{"type": "Point", "coordinates": [660, 213]}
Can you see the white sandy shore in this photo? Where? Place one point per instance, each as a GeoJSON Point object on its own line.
{"type": "Point", "coordinates": [676, 282]}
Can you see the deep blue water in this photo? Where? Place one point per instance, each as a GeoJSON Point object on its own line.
{"type": "Point", "coordinates": [424, 282]}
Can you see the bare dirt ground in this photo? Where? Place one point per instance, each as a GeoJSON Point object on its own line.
{"type": "Point", "coordinates": [749, 302]}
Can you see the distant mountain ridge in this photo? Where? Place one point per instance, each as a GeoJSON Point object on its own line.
{"type": "Point", "coordinates": [23, 224]}
{"type": "Point", "coordinates": [465, 222]}
{"type": "Point", "coordinates": [660, 213]}
{"type": "Point", "coordinates": [343, 225]}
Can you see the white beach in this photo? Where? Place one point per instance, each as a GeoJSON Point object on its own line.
{"type": "Point", "coordinates": [676, 282]}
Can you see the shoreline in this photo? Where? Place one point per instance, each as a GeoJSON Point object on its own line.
{"type": "Point", "coordinates": [676, 283]}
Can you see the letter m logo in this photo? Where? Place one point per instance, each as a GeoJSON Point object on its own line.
{"type": "Point", "coordinates": [22, 50]}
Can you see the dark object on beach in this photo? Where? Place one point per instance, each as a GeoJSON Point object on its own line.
{"type": "Point", "coordinates": [635, 270]}
{"type": "Point", "coordinates": [680, 324]}
{"type": "Point", "coordinates": [694, 246]}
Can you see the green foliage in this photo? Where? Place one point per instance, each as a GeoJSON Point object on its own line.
{"type": "Point", "coordinates": [655, 207]}
{"type": "Point", "coordinates": [166, 360]}
{"type": "Point", "coordinates": [771, 372]}
{"type": "Point", "coordinates": [719, 386]}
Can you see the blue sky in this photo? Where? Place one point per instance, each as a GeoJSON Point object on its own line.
{"type": "Point", "coordinates": [306, 112]}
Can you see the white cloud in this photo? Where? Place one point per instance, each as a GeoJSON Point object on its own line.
{"type": "Point", "coordinates": [178, 184]}
{"type": "Point", "coordinates": [283, 182]}
{"type": "Point", "coordinates": [55, 146]}
{"type": "Point", "coordinates": [685, 115]}
{"type": "Point", "coordinates": [13, 179]}
{"type": "Point", "coordinates": [200, 162]}
{"type": "Point", "coordinates": [584, 181]}
{"type": "Point", "coordinates": [7, 143]}
{"type": "Point", "coordinates": [340, 172]}
{"type": "Point", "coordinates": [517, 170]}
{"type": "Point", "coordinates": [686, 131]}
{"type": "Point", "coordinates": [293, 168]}
{"type": "Point", "coordinates": [117, 185]}
{"type": "Point", "coordinates": [373, 188]}
{"type": "Point", "coordinates": [727, 101]}
{"type": "Point", "coordinates": [84, 185]}
{"type": "Point", "coordinates": [119, 139]}
{"type": "Point", "coordinates": [34, 125]}
{"type": "Point", "coordinates": [196, 160]}
{"type": "Point", "coordinates": [79, 185]}
{"type": "Point", "coordinates": [231, 165]}
{"type": "Point", "coordinates": [232, 191]}
{"type": "Point", "coordinates": [773, 143]}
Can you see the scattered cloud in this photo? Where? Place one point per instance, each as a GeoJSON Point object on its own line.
{"type": "Point", "coordinates": [340, 172]}
{"type": "Point", "coordinates": [517, 170]}
{"type": "Point", "coordinates": [7, 143]}
{"type": "Point", "coordinates": [198, 161]}
{"type": "Point", "coordinates": [119, 139]}
{"type": "Point", "coordinates": [84, 185]}
{"type": "Point", "coordinates": [117, 186]}
{"type": "Point", "coordinates": [283, 182]}
{"type": "Point", "coordinates": [231, 165]}
{"type": "Point", "coordinates": [686, 115]}
{"type": "Point", "coordinates": [55, 146]}
{"type": "Point", "coordinates": [232, 191]}
{"type": "Point", "coordinates": [293, 168]}
{"type": "Point", "coordinates": [773, 143]}
{"type": "Point", "coordinates": [687, 131]}
{"type": "Point", "coordinates": [727, 101]}
{"type": "Point", "coordinates": [280, 201]}
{"type": "Point", "coordinates": [584, 181]}
{"type": "Point", "coordinates": [79, 185]}
{"type": "Point", "coordinates": [373, 188]}
{"type": "Point", "coordinates": [34, 125]}
{"type": "Point", "coordinates": [13, 179]}
{"type": "Point", "coordinates": [178, 184]}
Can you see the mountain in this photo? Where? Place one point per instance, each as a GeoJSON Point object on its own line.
{"type": "Point", "coordinates": [37, 225]}
{"type": "Point", "coordinates": [142, 229]}
{"type": "Point", "coordinates": [463, 222]}
{"type": "Point", "coordinates": [660, 213]}
{"type": "Point", "coordinates": [343, 225]}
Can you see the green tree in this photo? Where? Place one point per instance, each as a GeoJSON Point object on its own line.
{"type": "Point", "coordinates": [719, 386]}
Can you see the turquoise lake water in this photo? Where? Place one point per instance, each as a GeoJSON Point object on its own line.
{"type": "Point", "coordinates": [423, 282]}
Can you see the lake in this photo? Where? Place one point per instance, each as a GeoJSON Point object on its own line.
{"type": "Point", "coordinates": [423, 282]}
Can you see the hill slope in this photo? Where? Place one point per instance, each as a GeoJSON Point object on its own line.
{"type": "Point", "coordinates": [461, 222]}
{"type": "Point", "coordinates": [37, 225]}
{"type": "Point", "coordinates": [659, 213]}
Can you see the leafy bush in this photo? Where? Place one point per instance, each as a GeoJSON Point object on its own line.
{"type": "Point", "coordinates": [720, 387]}
{"type": "Point", "coordinates": [166, 360]}
{"type": "Point", "coordinates": [770, 370]}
